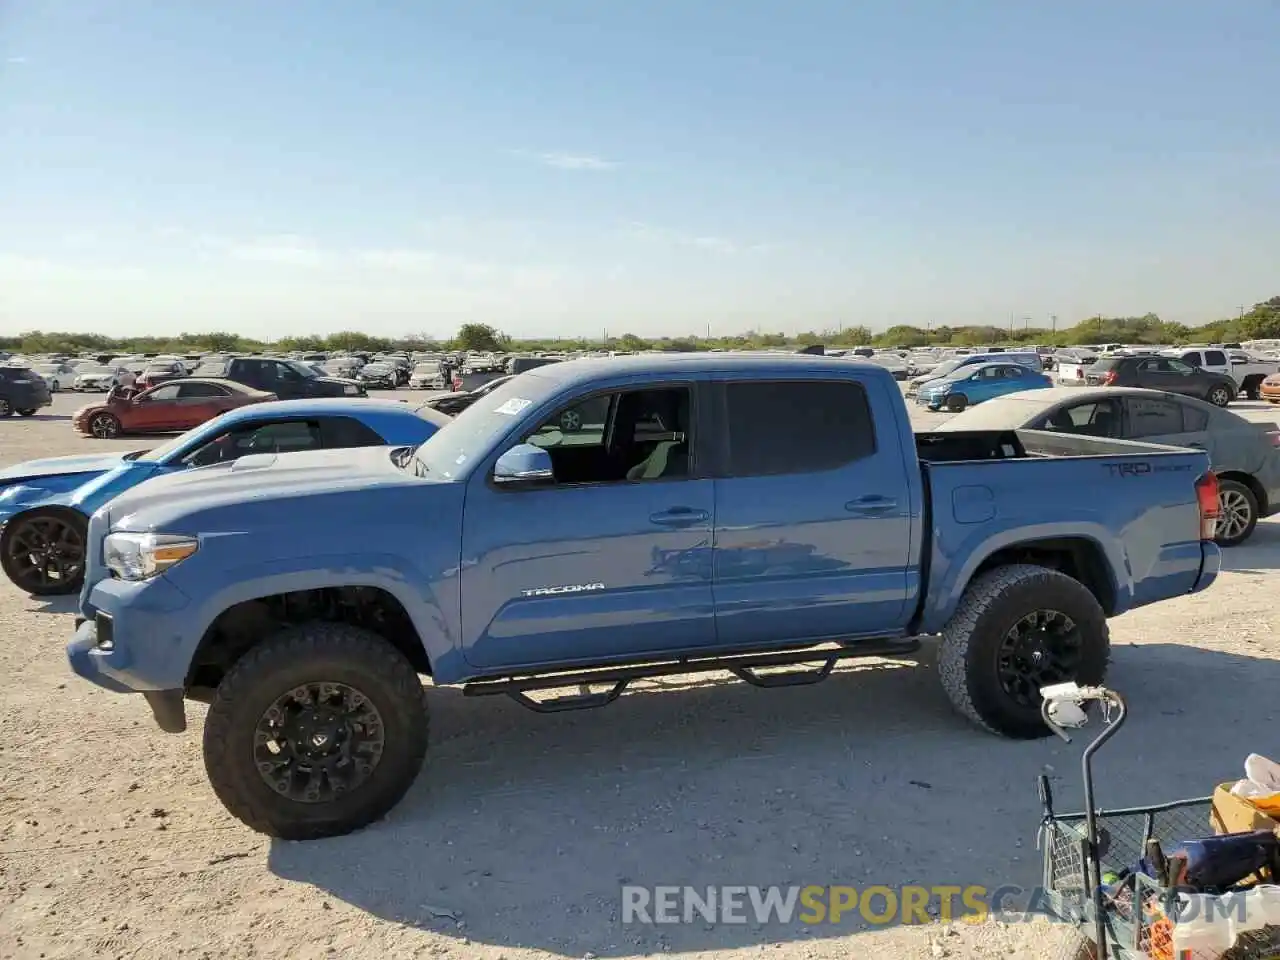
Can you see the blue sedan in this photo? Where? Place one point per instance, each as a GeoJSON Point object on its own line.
{"type": "Point", "coordinates": [45, 504]}
{"type": "Point", "coordinates": [966, 386]}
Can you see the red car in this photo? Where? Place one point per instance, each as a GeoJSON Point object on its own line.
{"type": "Point", "coordinates": [168, 408]}
{"type": "Point", "coordinates": [160, 371]}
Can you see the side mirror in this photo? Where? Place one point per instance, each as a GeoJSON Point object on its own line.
{"type": "Point", "coordinates": [523, 465]}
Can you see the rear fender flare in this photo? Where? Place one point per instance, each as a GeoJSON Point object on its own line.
{"type": "Point", "coordinates": [948, 581]}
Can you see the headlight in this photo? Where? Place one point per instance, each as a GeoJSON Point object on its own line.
{"type": "Point", "coordinates": [141, 556]}
{"type": "Point", "coordinates": [351, 390]}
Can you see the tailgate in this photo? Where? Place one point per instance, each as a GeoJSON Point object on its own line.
{"type": "Point", "coordinates": [1131, 505]}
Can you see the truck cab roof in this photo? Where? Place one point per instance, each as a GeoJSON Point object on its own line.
{"type": "Point", "coordinates": [588, 369]}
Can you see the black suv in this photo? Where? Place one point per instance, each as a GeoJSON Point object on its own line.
{"type": "Point", "coordinates": [287, 379]}
{"type": "Point", "coordinates": [22, 390]}
{"type": "Point", "coordinates": [1162, 373]}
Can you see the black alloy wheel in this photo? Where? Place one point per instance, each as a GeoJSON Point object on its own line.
{"type": "Point", "coordinates": [43, 552]}
{"type": "Point", "coordinates": [1043, 648]}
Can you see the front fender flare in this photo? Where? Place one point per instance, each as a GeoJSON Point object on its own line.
{"type": "Point", "coordinates": [382, 571]}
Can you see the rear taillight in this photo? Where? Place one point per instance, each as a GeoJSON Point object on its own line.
{"type": "Point", "coordinates": [1207, 498]}
{"type": "Point", "coordinates": [1109, 377]}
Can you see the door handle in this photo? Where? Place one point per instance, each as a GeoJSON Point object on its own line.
{"type": "Point", "coordinates": [678, 517]}
{"type": "Point", "coordinates": [871, 505]}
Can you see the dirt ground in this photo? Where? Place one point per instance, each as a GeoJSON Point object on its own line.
{"type": "Point", "coordinates": [519, 834]}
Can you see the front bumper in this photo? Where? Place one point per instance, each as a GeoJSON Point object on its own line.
{"type": "Point", "coordinates": [167, 706]}
{"type": "Point", "coordinates": [137, 639]}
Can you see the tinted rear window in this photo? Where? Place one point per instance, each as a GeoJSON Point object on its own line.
{"type": "Point", "coordinates": [1108, 363]}
{"type": "Point", "coordinates": [797, 427]}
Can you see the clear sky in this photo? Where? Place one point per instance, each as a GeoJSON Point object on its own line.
{"type": "Point", "coordinates": [561, 168]}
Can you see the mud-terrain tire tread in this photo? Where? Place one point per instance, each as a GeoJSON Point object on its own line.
{"type": "Point", "coordinates": [985, 594]}
{"type": "Point", "coordinates": [234, 777]}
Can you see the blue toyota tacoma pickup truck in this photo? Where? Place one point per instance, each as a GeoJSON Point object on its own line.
{"type": "Point", "coordinates": [745, 513]}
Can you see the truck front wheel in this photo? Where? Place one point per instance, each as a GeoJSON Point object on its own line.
{"type": "Point", "coordinates": [315, 732]}
{"type": "Point", "coordinates": [1017, 629]}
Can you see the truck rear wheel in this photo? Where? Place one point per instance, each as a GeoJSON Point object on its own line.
{"type": "Point", "coordinates": [316, 732]}
{"type": "Point", "coordinates": [1017, 629]}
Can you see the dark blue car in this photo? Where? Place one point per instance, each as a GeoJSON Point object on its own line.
{"type": "Point", "coordinates": [45, 505]}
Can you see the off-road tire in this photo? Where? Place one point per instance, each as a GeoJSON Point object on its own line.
{"type": "Point", "coordinates": [992, 604]}
{"type": "Point", "coordinates": [315, 652]}
{"type": "Point", "coordinates": [27, 413]}
{"type": "Point", "coordinates": [1250, 502]}
{"type": "Point", "coordinates": [956, 402]}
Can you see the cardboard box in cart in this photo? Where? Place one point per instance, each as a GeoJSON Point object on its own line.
{"type": "Point", "coordinates": [1232, 814]}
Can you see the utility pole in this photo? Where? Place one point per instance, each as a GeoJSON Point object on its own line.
{"type": "Point", "coordinates": [1053, 317]}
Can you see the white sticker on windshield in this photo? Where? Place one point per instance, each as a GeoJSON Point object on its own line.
{"type": "Point", "coordinates": [513, 406]}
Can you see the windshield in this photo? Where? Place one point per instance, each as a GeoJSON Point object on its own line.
{"type": "Point", "coordinates": [183, 441]}
{"type": "Point", "coordinates": [426, 369]}
{"type": "Point", "coordinates": [93, 371]}
{"type": "Point", "coordinates": [304, 371]}
{"type": "Point", "coordinates": [944, 368]}
{"type": "Point", "coordinates": [450, 451]}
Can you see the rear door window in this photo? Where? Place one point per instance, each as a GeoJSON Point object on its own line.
{"type": "Point", "coordinates": [797, 427]}
{"type": "Point", "coordinates": [1153, 417]}
{"type": "Point", "coordinates": [1215, 358]}
{"type": "Point", "coordinates": [1194, 420]}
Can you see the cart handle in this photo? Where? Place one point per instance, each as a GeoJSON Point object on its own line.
{"type": "Point", "coordinates": [1061, 706]}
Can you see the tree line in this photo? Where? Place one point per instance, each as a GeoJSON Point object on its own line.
{"type": "Point", "coordinates": [1262, 321]}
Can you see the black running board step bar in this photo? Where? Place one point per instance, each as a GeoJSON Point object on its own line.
{"type": "Point", "coordinates": [742, 666]}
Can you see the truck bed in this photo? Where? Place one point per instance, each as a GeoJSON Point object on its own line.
{"type": "Point", "coordinates": [984, 489]}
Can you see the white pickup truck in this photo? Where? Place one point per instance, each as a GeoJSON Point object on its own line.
{"type": "Point", "coordinates": [1247, 371]}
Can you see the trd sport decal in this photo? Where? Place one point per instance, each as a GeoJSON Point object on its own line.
{"type": "Point", "coordinates": [554, 591]}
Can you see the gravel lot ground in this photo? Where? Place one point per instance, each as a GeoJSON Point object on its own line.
{"type": "Point", "coordinates": [517, 837]}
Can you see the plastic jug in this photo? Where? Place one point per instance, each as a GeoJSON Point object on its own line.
{"type": "Point", "coordinates": [1209, 925]}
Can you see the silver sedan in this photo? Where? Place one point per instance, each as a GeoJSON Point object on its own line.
{"type": "Point", "coordinates": [1245, 455]}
